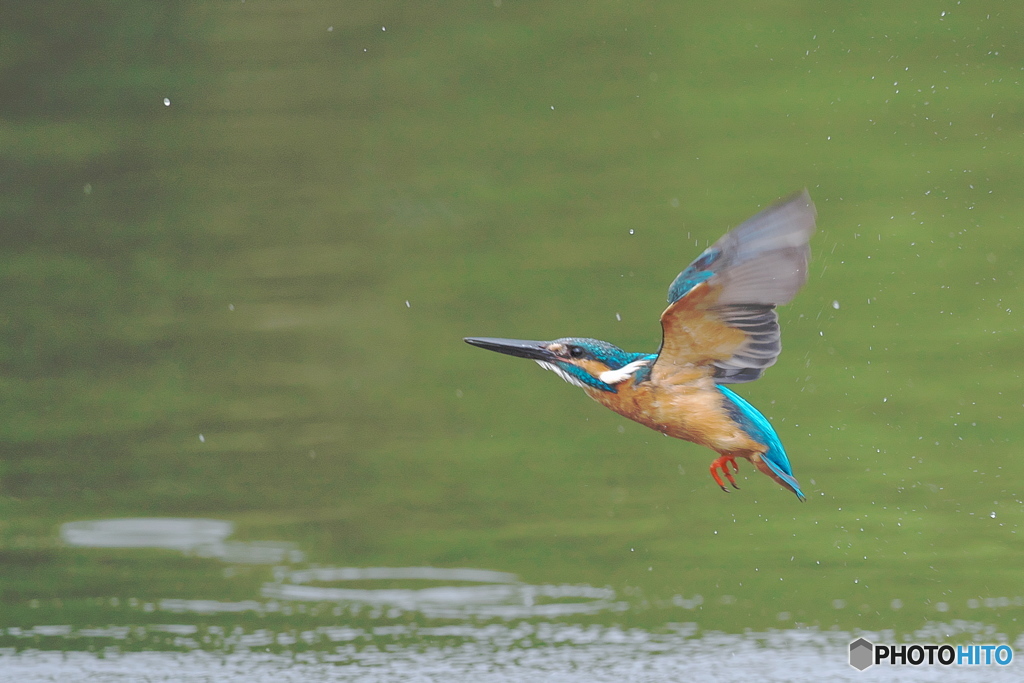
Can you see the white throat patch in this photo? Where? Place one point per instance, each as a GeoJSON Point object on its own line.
{"type": "Point", "coordinates": [561, 373]}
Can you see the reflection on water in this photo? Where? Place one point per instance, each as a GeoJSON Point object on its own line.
{"type": "Point", "coordinates": [497, 594]}
{"type": "Point", "coordinates": [474, 652]}
{"type": "Point", "coordinates": [503, 596]}
{"type": "Point", "coordinates": [312, 624]}
{"type": "Point", "coordinates": [198, 537]}
{"type": "Point", "coordinates": [177, 534]}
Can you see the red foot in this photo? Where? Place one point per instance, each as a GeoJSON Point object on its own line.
{"type": "Point", "coordinates": [723, 463]}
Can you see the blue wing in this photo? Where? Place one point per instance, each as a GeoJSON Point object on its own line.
{"type": "Point", "coordinates": [722, 307]}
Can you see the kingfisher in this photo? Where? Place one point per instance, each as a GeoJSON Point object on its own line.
{"type": "Point", "coordinates": [720, 328]}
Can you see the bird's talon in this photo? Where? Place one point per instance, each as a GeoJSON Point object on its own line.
{"type": "Point", "coordinates": [722, 463]}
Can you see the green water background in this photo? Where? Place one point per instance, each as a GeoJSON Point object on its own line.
{"type": "Point", "coordinates": [246, 301]}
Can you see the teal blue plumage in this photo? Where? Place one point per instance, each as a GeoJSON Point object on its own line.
{"type": "Point", "coordinates": [695, 273]}
{"type": "Point", "coordinates": [760, 429]}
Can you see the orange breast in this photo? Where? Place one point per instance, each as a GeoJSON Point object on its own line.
{"type": "Point", "coordinates": [685, 406]}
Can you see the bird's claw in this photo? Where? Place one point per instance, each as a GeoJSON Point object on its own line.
{"type": "Point", "coordinates": [722, 463]}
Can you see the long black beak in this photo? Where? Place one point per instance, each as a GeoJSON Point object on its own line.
{"type": "Point", "coordinates": [535, 350]}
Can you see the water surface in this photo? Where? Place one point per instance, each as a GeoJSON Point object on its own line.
{"type": "Point", "coordinates": [243, 244]}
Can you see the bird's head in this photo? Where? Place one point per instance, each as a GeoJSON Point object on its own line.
{"type": "Point", "coordinates": [586, 363]}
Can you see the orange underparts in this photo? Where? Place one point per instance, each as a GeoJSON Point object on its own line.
{"type": "Point", "coordinates": [723, 463]}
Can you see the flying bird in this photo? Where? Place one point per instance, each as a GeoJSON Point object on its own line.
{"type": "Point", "coordinates": [720, 328]}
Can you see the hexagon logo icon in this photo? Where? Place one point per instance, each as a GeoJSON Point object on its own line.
{"type": "Point", "coordinates": [861, 654]}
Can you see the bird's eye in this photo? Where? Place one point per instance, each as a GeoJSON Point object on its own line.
{"type": "Point", "coordinates": [575, 352]}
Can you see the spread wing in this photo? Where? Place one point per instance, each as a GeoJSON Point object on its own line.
{"type": "Point", "coordinates": [722, 307]}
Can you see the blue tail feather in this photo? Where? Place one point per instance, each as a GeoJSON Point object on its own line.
{"type": "Point", "coordinates": [761, 430]}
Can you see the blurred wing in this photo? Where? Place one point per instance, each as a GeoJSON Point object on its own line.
{"type": "Point", "coordinates": [722, 307]}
